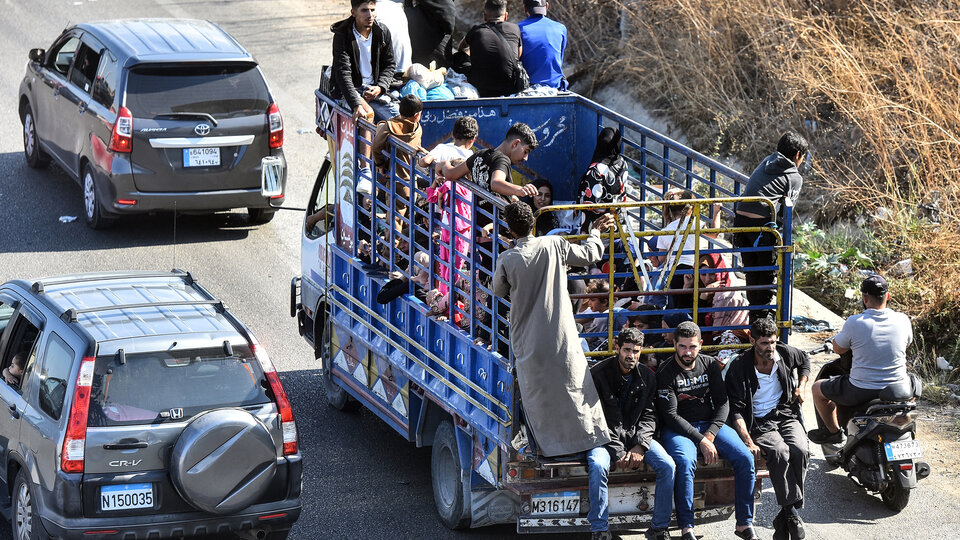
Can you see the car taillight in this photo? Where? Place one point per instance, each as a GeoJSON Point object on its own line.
{"type": "Point", "coordinates": [288, 427]}
{"type": "Point", "coordinates": [275, 122]}
{"type": "Point", "coordinates": [71, 458]}
{"type": "Point", "coordinates": [122, 138]}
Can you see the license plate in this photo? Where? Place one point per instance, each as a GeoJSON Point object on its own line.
{"type": "Point", "coordinates": [558, 503]}
{"type": "Point", "coordinates": [126, 496]}
{"type": "Point", "coordinates": [899, 450]}
{"type": "Point", "coordinates": [201, 157]}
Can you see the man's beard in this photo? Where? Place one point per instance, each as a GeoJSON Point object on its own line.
{"type": "Point", "coordinates": [686, 361]}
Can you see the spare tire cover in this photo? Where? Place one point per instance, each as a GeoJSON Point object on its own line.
{"type": "Point", "coordinates": [223, 461]}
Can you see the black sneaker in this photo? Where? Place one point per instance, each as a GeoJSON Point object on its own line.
{"type": "Point", "coordinates": [601, 535]}
{"type": "Point", "coordinates": [795, 526]}
{"type": "Point", "coordinates": [780, 531]}
{"type": "Point", "coordinates": [657, 534]}
{"type": "Point", "coordinates": [822, 436]}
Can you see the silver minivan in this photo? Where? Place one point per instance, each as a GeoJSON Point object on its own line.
{"type": "Point", "coordinates": [155, 115]}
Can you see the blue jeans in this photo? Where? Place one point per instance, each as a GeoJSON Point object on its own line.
{"type": "Point", "coordinates": [730, 447]}
{"type": "Point", "coordinates": [598, 465]}
{"type": "Point", "coordinates": [381, 111]}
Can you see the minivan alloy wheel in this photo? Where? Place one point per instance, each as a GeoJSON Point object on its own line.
{"type": "Point", "coordinates": [89, 195]}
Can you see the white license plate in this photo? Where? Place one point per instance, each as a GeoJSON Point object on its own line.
{"type": "Point", "coordinates": [899, 450]}
{"type": "Point", "coordinates": [201, 157]}
{"type": "Point", "coordinates": [126, 496]}
{"type": "Point", "coordinates": [558, 503]}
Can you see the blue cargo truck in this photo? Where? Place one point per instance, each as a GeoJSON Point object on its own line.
{"type": "Point", "coordinates": [443, 376]}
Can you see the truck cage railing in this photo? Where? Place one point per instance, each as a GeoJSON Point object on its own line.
{"type": "Point", "coordinates": [395, 228]}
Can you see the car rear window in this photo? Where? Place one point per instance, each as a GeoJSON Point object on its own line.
{"type": "Point", "coordinates": [173, 385]}
{"type": "Point", "coordinates": [219, 90]}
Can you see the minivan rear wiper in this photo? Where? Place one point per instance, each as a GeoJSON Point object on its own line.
{"type": "Point", "coordinates": [200, 114]}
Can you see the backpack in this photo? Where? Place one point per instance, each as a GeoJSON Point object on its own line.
{"type": "Point", "coordinates": [603, 183]}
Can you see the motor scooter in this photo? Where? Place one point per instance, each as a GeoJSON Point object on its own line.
{"type": "Point", "coordinates": [881, 451]}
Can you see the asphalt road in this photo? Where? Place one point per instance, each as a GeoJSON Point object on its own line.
{"type": "Point", "coordinates": [361, 479]}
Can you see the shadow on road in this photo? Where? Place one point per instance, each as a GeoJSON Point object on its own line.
{"type": "Point", "coordinates": [858, 505]}
{"type": "Point", "coordinates": [34, 201]}
{"type": "Point", "coordinates": [361, 478]}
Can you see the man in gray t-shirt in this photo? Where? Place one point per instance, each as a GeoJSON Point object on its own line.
{"type": "Point", "coordinates": [878, 339]}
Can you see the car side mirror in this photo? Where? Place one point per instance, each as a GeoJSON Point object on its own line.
{"type": "Point", "coordinates": [37, 55]}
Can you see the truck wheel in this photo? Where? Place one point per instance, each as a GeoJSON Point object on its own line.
{"type": "Point", "coordinates": [337, 397]}
{"type": "Point", "coordinates": [24, 522]}
{"type": "Point", "coordinates": [895, 496]}
{"type": "Point", "coordinates": [447, 479]}
{"type": "Point", "coordinates": [36, 157]}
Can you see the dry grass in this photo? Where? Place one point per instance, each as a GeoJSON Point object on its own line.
{"type": "Point", "coordinates": [873, 84]}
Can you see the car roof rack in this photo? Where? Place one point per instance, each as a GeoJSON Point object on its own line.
{"type": "Point", "coordinates": [38, 286]}
{"type": "Point", "coordinates": [71, 314]}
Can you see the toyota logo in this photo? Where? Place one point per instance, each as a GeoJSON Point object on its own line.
{"type": "Point", "coordinates": [202, 129]}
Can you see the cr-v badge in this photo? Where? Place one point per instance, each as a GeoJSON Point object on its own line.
{"type": "Point", "coordinates": [202, 129]}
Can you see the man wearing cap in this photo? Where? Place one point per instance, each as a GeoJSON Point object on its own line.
{"type": "Point", "coordinates": [544, 41]}
{"type": "Point", "coordinates": [878, 339]}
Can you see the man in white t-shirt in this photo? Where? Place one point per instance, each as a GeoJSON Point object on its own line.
{"type": "Point", "coordinates": [878, 339]}
{"type": "Point", "coordinates": [765, 387]}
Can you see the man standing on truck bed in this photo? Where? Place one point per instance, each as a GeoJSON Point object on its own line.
{"type": "Point", "coordinates": [693, 406]}
{"type": "Point", "coordinates": [776, 178]}
{"type": "Point", "coordinates": [495, 48]}
{"type": "Point", "coordinates": [765, 408]}
{"type": "Point", "coordinates": [544, 41]}
{"type": "Point", "coordinates": [560, 402]}
{"type": "Point", "coordinates": [627, 390]}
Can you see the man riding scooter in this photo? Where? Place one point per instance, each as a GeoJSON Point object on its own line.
{"type": "Point", "coordinates": [878, 339]}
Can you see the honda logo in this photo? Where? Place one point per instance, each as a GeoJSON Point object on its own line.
{"type": "Point", "coordinates": [176, 414]}
{"type": "Point", "coordinates": [202, 129]}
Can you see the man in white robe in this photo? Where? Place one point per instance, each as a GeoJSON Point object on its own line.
{"type": "Point", "coordinates": [560, 401]}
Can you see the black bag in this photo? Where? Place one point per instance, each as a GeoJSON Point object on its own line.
{"type": "Point", "coordinates": [327, 87]}
{"type": "Point", "coordinates": [521, 80]}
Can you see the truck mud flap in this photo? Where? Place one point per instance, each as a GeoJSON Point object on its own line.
{"type": "Point", "coordinates": [493, 507]}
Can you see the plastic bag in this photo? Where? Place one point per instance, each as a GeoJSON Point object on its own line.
{"type": "Point", "coordinates": [415, 88]}
{"type": "Point", "coordinates": [440, 92]}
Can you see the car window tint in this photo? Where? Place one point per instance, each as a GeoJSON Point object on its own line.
{"type": "Point", "coordinates": [85, 67]}
{"type": "Point", "coordinates": [21, 350]}
{"type": "Point", "coordinates": [104, 87]}
{"type": "Point", "coordinates": [57, 362]}
{"type": "Point", "coordinates": [6, 312]}
{"type": "Point", "coordinates": [62, 55]}
{"type": "Point", "coordinates": [173, 385]}
{"type": "Point", "coordinates": [220, 90]}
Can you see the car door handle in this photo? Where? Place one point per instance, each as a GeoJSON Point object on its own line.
{"type": "Point", "coordinates": [13, 411]}
{"type": "Point", "coordinates": [125, 446]}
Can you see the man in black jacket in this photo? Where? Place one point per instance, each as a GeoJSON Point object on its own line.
{"type": "Point", "coordinates": [776, 178]}
{"type": "Point", "coordinates": [431, 23]}
{"type": "Point", "coordinates": [627, 389]}
{"type": "Point", "coordinates": [765, 404]}
{"type": "Point", "coordinates": [363, 63]}
{"type": "Point", "coordinates": [692, 402]}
